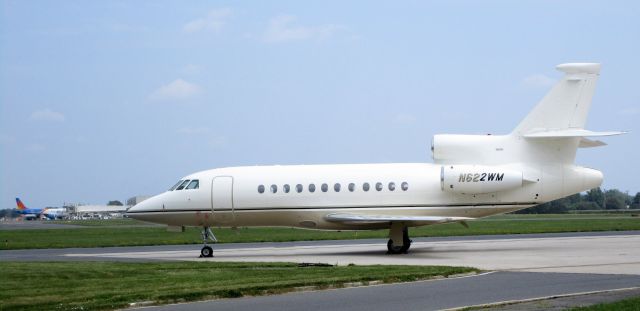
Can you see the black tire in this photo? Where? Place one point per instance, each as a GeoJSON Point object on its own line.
{"type": "Point", "coordinates": [406, 241]}
{"type": "Point", "coordinates": [394, 249]}
{"type": "Point", "coordinates": [206, 251]}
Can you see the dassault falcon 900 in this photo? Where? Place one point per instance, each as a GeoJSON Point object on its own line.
{"type": "Point", "coordinates": [472, 176]}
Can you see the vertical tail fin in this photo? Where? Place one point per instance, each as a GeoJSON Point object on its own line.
{"type": "Point", "coordinates": [566, 106]}
{"type": "Point", "coordinates": [555, 126]}
{"type": "Point", "coordinates": [20, 205]}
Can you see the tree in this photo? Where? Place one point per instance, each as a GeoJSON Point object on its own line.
{"type": "Point", "coordinates": [585, 206]}
{"type": "Point", "coordinates": [635, 204]}
{"type": "Point", "coordinates": [615, 199]}
{"type": "Point", "coordinates": [596, 196]}
{"type": "Point", "coordinates": [9, 213]}
{"type": "Point", "coordinates": [115, 203]}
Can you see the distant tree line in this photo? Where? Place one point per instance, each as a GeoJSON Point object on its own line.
{"type": "Point", "coordinates": [594, 199]}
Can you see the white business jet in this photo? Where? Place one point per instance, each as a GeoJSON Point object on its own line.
{"type": "Point", "coordinates": [472, 176]}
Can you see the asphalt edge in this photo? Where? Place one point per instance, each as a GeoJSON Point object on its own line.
{"type": "Point", "coordinates": [511, 302]}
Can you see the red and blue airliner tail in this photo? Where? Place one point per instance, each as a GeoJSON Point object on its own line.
{"type": "Point", "coordinates": [21, 205]}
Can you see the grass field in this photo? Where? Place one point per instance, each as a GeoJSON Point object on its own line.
{"type": "Point", "coordinates": [131, 233]}
{"type": "Point", "coordinates": [105, 286]}
{"type": "Point", "coordinates": [631, 304]}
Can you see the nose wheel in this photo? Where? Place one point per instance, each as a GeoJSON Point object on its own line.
{"type": "Point", "coordinates": [206, 251]}
{"type": "Point", "coordinates": [207, 235]}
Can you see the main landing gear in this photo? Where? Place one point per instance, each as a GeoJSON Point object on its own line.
{"type": "Point", "coordinates": [206, 250]}
{"type": "Point", "coordinates": [399, 241]}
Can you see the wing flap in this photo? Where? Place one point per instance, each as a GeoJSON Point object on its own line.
{"type": "Point", "coordinates": [355, 219]}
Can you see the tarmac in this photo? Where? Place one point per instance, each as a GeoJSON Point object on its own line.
{"type": "Point", "coordinates": [576, 267]}
{"type": "Point", "coordinates": [600, 254]}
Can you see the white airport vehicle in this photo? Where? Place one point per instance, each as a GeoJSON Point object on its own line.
{"type": "Point", "coordinates": [472, 176]}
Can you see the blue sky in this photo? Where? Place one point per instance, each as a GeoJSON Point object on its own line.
{"type": "Point", "coordinates": [105, 100]}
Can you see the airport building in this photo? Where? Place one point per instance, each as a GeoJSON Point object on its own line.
{"type": "Point", "coordinates": [96, 211]}
{"type": "Point", "coordinates": [137, 199]}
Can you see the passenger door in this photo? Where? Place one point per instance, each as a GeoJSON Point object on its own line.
{"type": "Point", "coordinates": [222, 199]}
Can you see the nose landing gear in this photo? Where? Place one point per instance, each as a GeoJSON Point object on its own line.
{"type": "Point", "coordinates": [206, 250]}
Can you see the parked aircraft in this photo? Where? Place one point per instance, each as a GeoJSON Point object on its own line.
{"type": "Point", "coordinates": [472, 176]}
{"type": "Point", "coordinates": [36, 213]}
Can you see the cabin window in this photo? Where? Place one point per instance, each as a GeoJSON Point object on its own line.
{"type": "Point", "coordinates": [392, 186]}
{"type": "Point", "coordinates": [379, 186]}
{"type": "Point", "coordinates": [261, 189]}
{"type": "Point", "coordinates": [274, 188]}
{"type": "Point", "coordinates": [336, 187]}
{"type": "Point", "coordinates": [176, 185]}
{"type": "Point", "coordinates": [194, 184]}
{"type": "Point", "coordinates": [312, 188]}
{"type": "Point", "coordinates": [404, 186]}
{"type": "Point", "coordinates": [366, 186]}
{"type": "Point", "coordinates": [324, 187]}
{"type": "Point", "coordinates": [352, 187]}
{"type": "Point", "coordinates": [298, 188]}
{"type": "Point", "coordinates": [182, 185]}
{"type": "Point", "coordinates": [286, 188]}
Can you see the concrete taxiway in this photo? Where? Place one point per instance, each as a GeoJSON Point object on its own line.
{"type": "Point", "coordinates": [604, 253]}
{"type": "Point", "coordinates": [523, 267]}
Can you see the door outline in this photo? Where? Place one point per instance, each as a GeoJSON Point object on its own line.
{"type": "Point", "coordinates": [230, 196]}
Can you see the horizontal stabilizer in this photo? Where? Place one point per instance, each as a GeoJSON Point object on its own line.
{"type": "Point", "coordinates": [569, 132]}
{"type": "Point", "coordinates": [588, 143]}
{"type": "Point", "coordinates": [373, 219]}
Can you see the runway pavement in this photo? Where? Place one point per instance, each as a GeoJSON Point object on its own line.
{"type": "Point", "coordinates": [522, 265]}
{"type": "Point", "coordinates": [426, 295]}
{"type": "Point", "coordinates": [572, 253]}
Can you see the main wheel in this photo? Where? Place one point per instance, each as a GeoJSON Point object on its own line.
{"type": "Point", "coordinates": [206, 251]}
{"type": "Point", "coordinates": [396, 249]}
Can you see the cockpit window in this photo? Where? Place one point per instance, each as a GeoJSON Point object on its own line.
{"type": "Point", "coordinates": [182, 185]}
{"type": "Point", "coordinates": [194, 184]}
{"type": "Point", "coordinates": [176, 185]}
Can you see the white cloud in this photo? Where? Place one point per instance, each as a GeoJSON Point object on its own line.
{"type": "Point", "coordinates": [176, 90]}
{"type": "Point", "coordinates": [47, 115]}
{"type": "Point", "coordinates": [193, 130]}
{"type": "Point", "coordinates": [538, 80]}
{"type": "Point", "coordinates": [280, 29]}
{"type": "Point", "coordinates": [213, 22]}
{"type": "Point", "coordinates": [403, 118]}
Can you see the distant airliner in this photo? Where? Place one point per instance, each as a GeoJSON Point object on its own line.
{"type": "Point", "coordinates": [472, 176]}
{"type": "Point", "coordinates": [35, 213]}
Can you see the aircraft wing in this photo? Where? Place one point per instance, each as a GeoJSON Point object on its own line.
{"type": "Point", "coordinates": [363, 219]}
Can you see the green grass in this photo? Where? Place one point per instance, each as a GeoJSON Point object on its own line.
{"type": "Point", "coordinates": [103, 236]}
{"type": "Point", "coordinates": [631, 304]}
{"type": "Point", "coordinates": [111, 285]}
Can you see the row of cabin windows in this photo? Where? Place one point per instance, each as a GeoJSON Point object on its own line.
{"type": "Point", "coordinates": [336, 187]}
{"type": "Point", "coordinates": [186, 185]}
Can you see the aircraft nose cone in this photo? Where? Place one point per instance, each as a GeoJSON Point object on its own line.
{"type": "Point", "coordinates": [137, 211]}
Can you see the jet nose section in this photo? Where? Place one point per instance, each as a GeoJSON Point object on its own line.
{"type": "Point", "coordinates": [140, 210]}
